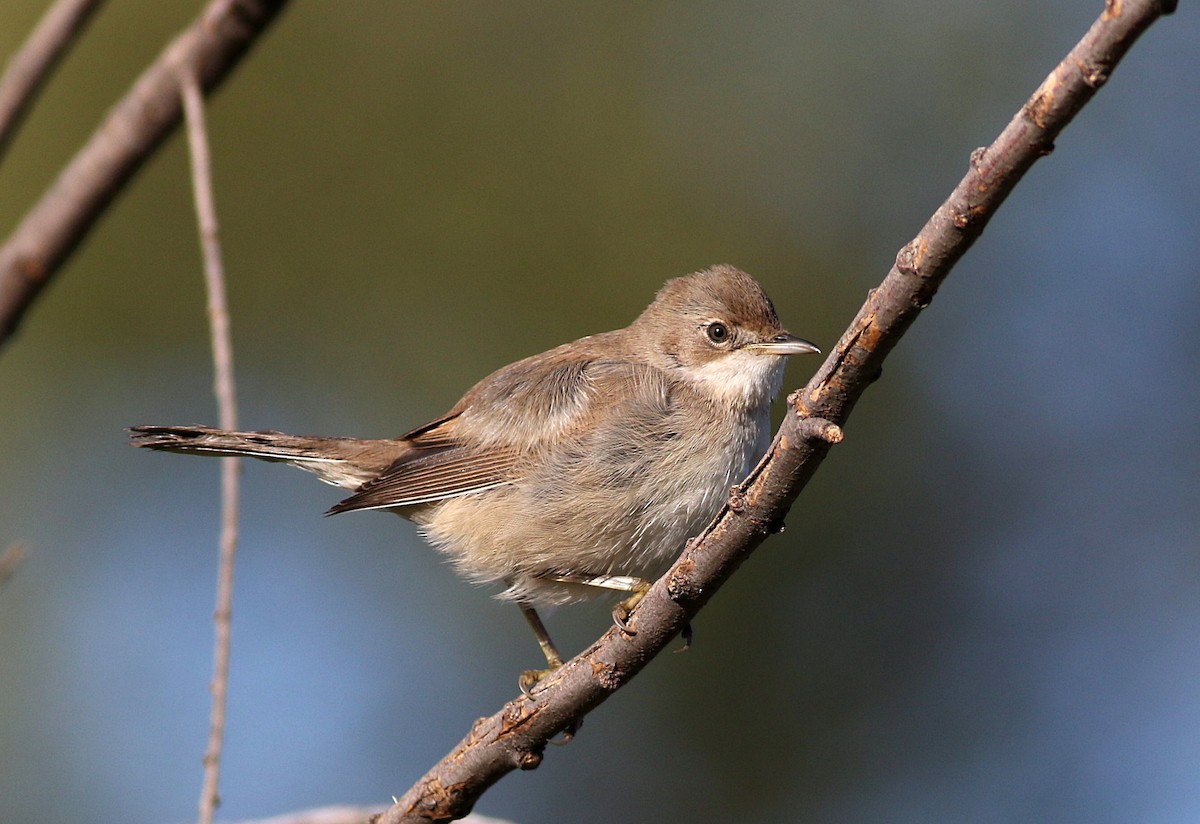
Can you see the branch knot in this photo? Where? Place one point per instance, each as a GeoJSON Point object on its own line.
{"type": "Point", "coordinates": [820, 429]}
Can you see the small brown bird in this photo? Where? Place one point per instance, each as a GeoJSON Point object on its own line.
{"type": "Point", "coordinates": [578, 471]}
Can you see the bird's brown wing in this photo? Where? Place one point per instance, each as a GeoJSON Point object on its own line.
{"type": "Point", "coordinates": [482, 442]}
{"type": "Point", "coordinates": [429, 475]}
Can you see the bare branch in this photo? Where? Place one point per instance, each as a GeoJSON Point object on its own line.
{"type": "Point", "coordinates": [29, 67]}
{"type": "Point", "coordinates": [515, 737]}
{"type": "Point", "coordinates": [210, 247]}
{"type": "Point", "coordinates": [223, 388]}
{"type": "Point", "coordinates": [348, 815]}
{"type": "Point", "coordinates": [131, 132]}
{"type": "Point", "coordinates": [319, 815]}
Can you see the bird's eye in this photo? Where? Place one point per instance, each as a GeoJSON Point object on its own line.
{"type": "Point", "coordinates": [718, 332]}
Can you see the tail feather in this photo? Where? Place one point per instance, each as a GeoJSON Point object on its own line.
{"type": "Point", "coordinates": [345, 462]}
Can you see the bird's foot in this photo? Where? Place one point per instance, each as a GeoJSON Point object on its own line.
{"type": "Point", "coordinates": [531, 678]}
{"type": "Point", "coordinates": [622, 611]}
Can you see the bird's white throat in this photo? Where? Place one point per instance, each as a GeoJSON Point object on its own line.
{"type": "Point", "coordinates": [742, 378]}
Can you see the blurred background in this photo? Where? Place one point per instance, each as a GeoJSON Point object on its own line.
{"type": "Point", "coordinates": [986, 606]}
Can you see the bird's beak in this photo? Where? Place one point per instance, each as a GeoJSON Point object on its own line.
{"type": "Point", "coordinates": [784, 343]}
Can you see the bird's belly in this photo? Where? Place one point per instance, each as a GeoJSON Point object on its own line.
{"type": "Point", "coordinates": [629, 520]}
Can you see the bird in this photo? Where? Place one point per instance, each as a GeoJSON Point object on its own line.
{"type": "Point", "coordinates": [576, 472]}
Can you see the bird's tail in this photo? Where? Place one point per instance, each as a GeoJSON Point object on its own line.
{"type": "Point", "coordinates": [346, 462]}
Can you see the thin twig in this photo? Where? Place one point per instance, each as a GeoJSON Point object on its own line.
{"type": "Point", "coordinates": [223, 388]}
{"type": "Point", "coordinates": [515, 737]}
{"type": "Point", "coordinates": [131, 132]}
{"type": "Point", "coordinates": [32, 64]}
{"type": "Point", "coordinates": [10, 560]}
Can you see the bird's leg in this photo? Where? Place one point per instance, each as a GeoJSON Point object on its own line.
{"type": "Point", "coordinates": [636, 587]}
{"type": "Point", "coordinates": [529, 678]}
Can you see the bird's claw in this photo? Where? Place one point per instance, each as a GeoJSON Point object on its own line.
{"type": "Point", "coordinates": [531, 678]}
{"type": "Point", "coordinates": [687, 635]}
{"type": "Point", "coordinates": [624, 609]}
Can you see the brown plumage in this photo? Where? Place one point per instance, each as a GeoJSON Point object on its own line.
{"type": "Point", "coordinates": [581, 469]}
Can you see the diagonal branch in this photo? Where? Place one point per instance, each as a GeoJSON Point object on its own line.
{"type": "Point", "coordinates": [36, 59]}
{"type": "Point", "coordinates": [134, 128]}
{"type": "Point", "coordinates": [515, 737]}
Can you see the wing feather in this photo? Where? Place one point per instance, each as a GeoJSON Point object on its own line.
{"type": "Point", "coordinates": [499, 427]}
{"type": "Point", "coordinates": [425, 478]}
